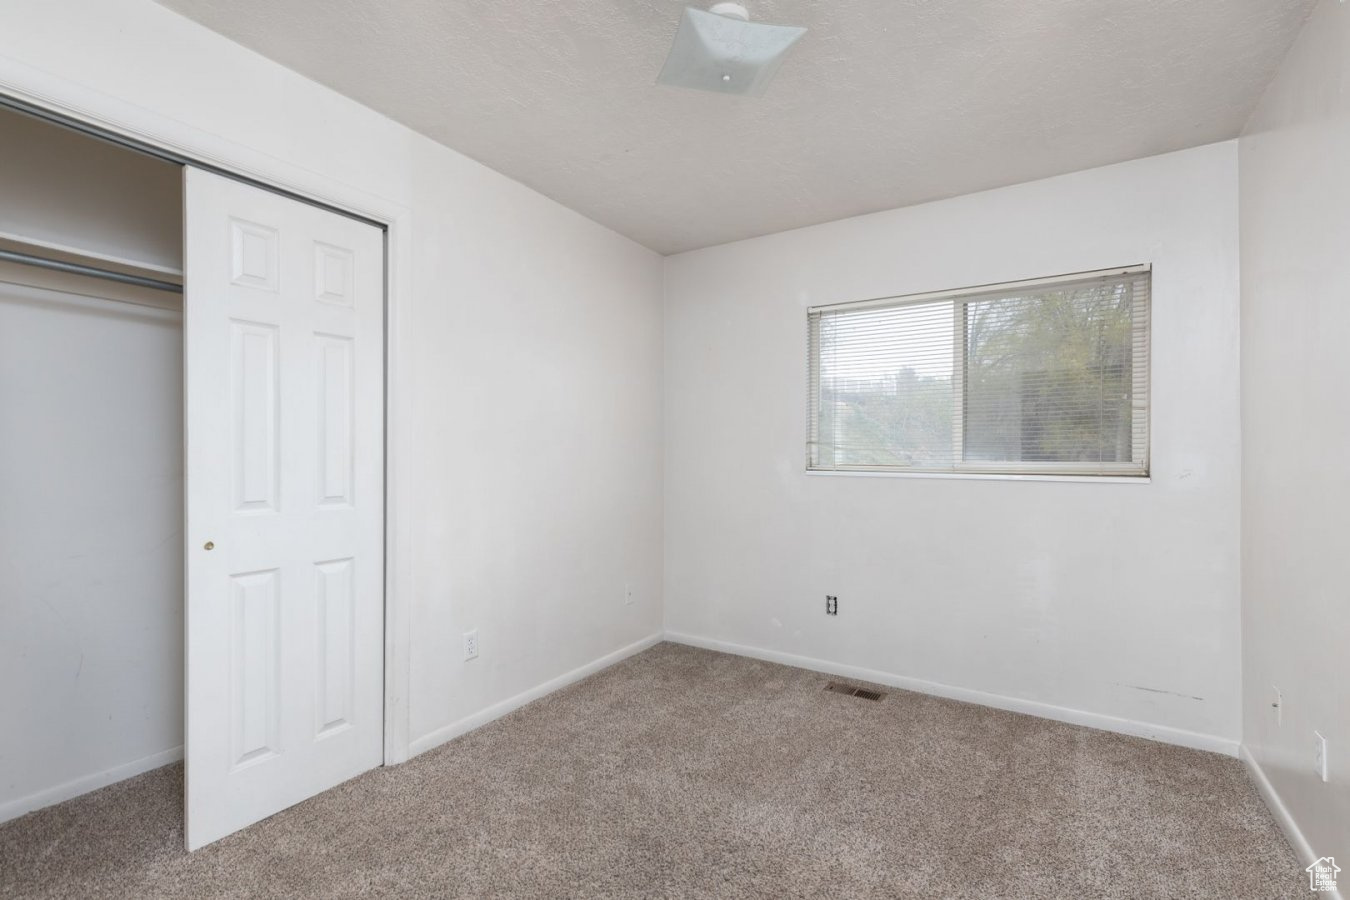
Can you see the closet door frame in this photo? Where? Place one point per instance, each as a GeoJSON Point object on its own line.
{"type": "Point", "coordinates": [107, 118]}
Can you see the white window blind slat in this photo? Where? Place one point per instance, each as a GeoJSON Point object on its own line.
{"type": "Point", "coordinates": [1044, 377]}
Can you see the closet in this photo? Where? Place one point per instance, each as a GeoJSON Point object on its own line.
{"type": "Point", "coordinates": [91, 463]}
{"type": "Point", "coordinates": [192, 505]}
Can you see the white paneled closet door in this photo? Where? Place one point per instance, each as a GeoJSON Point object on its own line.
{"type": "Point", "coordinates": [284, 340]}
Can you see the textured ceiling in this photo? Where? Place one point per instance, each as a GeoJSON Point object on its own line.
{"type": "Point", "coordinates": [883, 103]}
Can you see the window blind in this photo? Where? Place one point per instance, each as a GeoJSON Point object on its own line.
{"type": "Point", "coordinates": [1036, 377]}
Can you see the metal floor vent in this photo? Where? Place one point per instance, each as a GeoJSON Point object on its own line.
{"type": "Point", "coordinates": [853, 691]}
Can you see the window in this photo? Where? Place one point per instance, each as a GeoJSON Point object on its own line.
{"type": "Point", "coordinates": [1042, 377]}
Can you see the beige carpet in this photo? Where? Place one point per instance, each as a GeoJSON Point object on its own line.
{"type": "Point", "coordinates": [683, 773]}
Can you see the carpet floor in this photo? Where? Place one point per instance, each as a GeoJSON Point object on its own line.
{"type": "Point", "coordinates": [685, 773]}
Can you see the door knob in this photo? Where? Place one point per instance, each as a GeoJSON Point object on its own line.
{"type": "Point", "coordinates": [209, 545]}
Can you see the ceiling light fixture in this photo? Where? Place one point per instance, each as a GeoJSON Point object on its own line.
{"type": "Point", "coordinates": [721, 50]}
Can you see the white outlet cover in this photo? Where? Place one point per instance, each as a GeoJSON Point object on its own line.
{"type": "Point", "coordinates": [1279, 706]}
{"type": "Point", "coordinates": [471, 644]}
{"type": "Point", "coordinates": [1320, 755]}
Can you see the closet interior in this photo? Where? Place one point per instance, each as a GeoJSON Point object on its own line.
{"type": "Point", "coordinates": [91, 457]}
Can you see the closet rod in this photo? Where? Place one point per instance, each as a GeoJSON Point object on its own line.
{"type": "Point", "coordinates": [56, 265]}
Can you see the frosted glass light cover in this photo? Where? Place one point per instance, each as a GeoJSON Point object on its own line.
{"type": "Point", "coordinates": [725, 55]}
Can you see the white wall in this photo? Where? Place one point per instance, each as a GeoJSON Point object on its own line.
{"type": "Point", "coordinates": [533, 344]}
{"type": "Point", "coordinates": [1114, 600]}
{"type": "Point", "coordinates": [1295, 189]}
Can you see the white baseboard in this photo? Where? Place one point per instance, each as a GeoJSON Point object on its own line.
{"type": "Point", "coordinates": [1282, 815]}
{"type": "Point", "coordinates": [497, 710]}
{"type": "Point", "coordinates": [12, 809]}
{"type": "Point", "coordinates": [1163, 733]}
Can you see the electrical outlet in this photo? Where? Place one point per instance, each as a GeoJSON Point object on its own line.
{"type": "Point", "coordinates": [471, 644]}
{"type": "Point", "coordinates": [1320, 755]}
{"type": "Point", "coordinates": [831, 605]}
{"type": "Point", "coordinates": [627, 594]}
{"type": "Point", "coordinates": [1278, 703]}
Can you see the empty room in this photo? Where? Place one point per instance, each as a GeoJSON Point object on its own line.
{"type": "Point", "coordinates": [627, 449]}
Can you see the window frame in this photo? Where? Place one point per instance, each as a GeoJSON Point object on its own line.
{"type": "Point", "coordinates": [1141, 377]}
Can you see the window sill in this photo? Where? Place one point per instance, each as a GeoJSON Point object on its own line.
{"type": "Point", "coordinates": [984, 476]}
